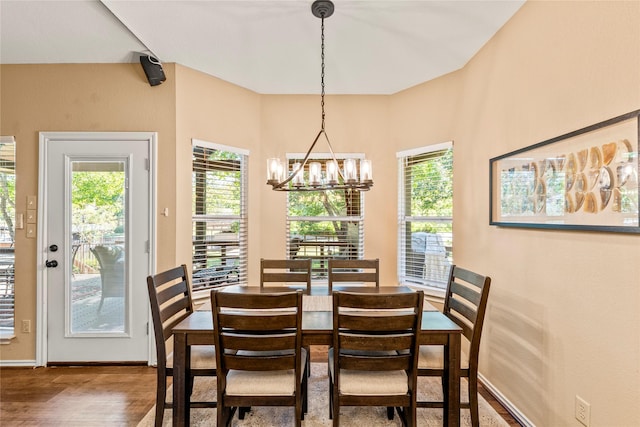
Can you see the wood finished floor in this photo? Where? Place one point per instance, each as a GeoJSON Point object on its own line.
{"type": "Point", "coordinates": [96, 395]}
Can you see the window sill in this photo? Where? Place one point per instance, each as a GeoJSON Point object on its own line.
{"type": "Point", "coordinates": [431, 294]}
{"type": "Point", "coordinates": [6, 337]}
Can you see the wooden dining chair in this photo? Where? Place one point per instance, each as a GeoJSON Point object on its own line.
{"type": "Point", "coordinates": [374, 356]}
{"type": "Point", "coordinates": [353, 271]}
{"type": "Point", "coordinates": [465, 303]}
{"type": "Point", "coordinates": [285, 272]}
{"type": "Point", "coordinates": [171, 301]}
{"type": "Point", "coordinates": [259, 354]}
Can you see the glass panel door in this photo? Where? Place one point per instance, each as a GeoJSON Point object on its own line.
{"type": "Point", "coordinates": [96, 298]}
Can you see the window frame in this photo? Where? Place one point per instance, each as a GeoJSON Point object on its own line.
{"type": "Point", "coordinates": [8, 258]}
{"type": "Point", "coordinates": [442, 253]}
{"type": "Point", "coordinates": [238, 275]}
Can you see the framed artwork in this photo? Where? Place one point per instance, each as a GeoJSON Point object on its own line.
{"type": "Point", "coordinates": [583, 180]}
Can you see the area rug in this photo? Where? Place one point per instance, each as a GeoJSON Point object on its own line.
{"type": "Point", "coordinates": [318, 411]}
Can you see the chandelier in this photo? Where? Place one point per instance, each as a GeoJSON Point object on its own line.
{"type": "Point", "coordinates": [308, 175]}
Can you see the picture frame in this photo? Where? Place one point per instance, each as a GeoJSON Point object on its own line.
{"type": "Point", "coordinates": [583, 180]}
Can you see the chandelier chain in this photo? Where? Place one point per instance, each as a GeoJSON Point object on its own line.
{"type": "Point", "coordinates": [322, 69]}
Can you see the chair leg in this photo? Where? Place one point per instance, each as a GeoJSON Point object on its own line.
{"type": "Point", "coordinates": [242, 411]}
{"type": "Point", "coordinates": [224, 414]}
{"type": "Point", "coordinates": [161, 398]}
{"type": "Point", "coordinates": [473, 400]}
{"type": "Point", "coordinates": [412, 418]}
{"type": "Point", "coordinates": [390, 411]}
{"type": "Point", "coordinates": [299, 413]}
{"type": "Point", "coordinates": [305, 393]}
{"type": "Point", "coordinates": [330, 399]}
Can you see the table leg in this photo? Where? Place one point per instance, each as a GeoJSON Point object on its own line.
{"type": "Point", "coordinates": [452, 404]}
{"type": "Point", "coordinates": [180, 375]}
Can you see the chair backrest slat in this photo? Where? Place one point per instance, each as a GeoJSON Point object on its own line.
{"type": "Point", "coordinates": [258, 322]}
{"type": "Point", "coordinates": [385, 363]}
{"type": "Point", "coordinates": [285, 271]}
{"type": "Point", "coordinates": [168, 293]}
{"type": "Point", "coordinates": [468, 293]}
{"type": "Point", "coordinates": [368, 321]}
{"type": "Point", "coordinates": [353, 271]}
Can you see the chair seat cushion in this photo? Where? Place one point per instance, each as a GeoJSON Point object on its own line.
{"type": "Point", "coordinates": [202, 357]}
{"type": "Point", "coordinates": [261, 383]}
{"type": "Point", "coordinates": [432, 357]}
{"type": "Point", "coordinates": [264, 383]}
{"type": "Point", "coordinates": [371, 383]}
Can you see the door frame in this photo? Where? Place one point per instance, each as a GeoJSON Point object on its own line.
{"type": "Point", "coordinates": [41, 285]}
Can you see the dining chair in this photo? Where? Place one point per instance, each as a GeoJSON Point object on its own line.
{"type": "Point", "coordinates": [286, 271]}
{"type": "Point", "coordinates": [374, 356]}
{"type": "Point", "coordinates": [465, 303]}
{"type": "Point", "coordinates": [171, 301]}
{"type": "Point", "coordinates": [354, 271]}
{"type": "Point", "coordinates": [260, 358]}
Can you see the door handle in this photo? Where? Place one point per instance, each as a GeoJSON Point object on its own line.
{"type": "Point", "coordinates": [51, 264]}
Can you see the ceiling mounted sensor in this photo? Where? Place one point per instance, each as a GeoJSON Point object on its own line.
{"type": "Point", "coordinates": [348, 177]}
{"type": "Point", "coordinates": [153, 70]}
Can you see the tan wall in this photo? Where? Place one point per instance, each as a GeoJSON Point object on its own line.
{"type": "Point", "coordinates": [564, 310]}
{"type": "Point", "coordinates": [98, 97]}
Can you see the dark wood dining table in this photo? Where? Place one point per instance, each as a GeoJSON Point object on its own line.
{"type": "Point", "coordinates": [317, 329]}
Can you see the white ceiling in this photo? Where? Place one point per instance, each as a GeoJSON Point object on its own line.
{"type": "Point", "coordinates": [271, 47]}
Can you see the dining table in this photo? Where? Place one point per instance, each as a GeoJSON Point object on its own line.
{"type": "Point", "coordinates": [317, 329]}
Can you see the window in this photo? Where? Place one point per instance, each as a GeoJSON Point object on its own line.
{"type": "Point", "coordinates": [324, 224]}
{"type": "Point", "coordinates": [7, 235]}
{"type": "Point", "coordinates": [425, 205]}
{"type": "Point", "coordinates": [219, 207]}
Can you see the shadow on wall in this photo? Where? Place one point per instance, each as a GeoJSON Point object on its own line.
{"type": "Point", "coordinates": [517, 345]}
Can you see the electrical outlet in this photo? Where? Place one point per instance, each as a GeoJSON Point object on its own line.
{"type": "Point", "coordinates": [26, 326]}
{"type": "Point", "coordinates": [583, 411]}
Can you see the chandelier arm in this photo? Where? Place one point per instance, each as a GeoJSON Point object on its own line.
{"type": "Point", "coordinates": [304, 162]}
{"type": "Point", "coordinates": [333, 155]}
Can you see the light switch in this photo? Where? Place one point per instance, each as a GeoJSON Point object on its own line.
{"type": "Point", "coordinates": [31, 231]}
{"type": "Point", "coordinates": [19, 221]}
{"type": "Point", "coordinates": [31, 216]}
{"type": "Point", "coordinates": [32, 202]}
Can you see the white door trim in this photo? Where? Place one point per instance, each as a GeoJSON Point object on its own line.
{"type": "Point", "coordinates": [41, 284]}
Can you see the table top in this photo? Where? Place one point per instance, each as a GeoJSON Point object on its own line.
{"type": "Point", "coordinates": [318, 290]}
{"type": "Point", "coordinates": [314, 322]}
{"type": "Point", "coordinates": [319, 299]}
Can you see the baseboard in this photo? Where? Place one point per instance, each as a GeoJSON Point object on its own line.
{"type": "Point", "coordinates": [17, 363]}
{"type": "Point", "coordinates": [511, 408]}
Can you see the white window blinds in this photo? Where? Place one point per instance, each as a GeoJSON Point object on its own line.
{"type": "Point", "coordinates": [425, 217]}
{"type": "Point", "coordinates": [219, 206]}
{"type": "Point", "coordinates": [323, 225]}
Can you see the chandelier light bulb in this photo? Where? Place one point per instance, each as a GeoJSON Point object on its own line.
{"type": "Point", "coordinates": [350, 171]}
{"type": "Point", "coordinates": [274, 170]}
{"type": "Point", "coordinates": [332, 172]}
{"type": "Point", "coordinates": [366, 171]}
{"type": "Point", "coordinates": [298, 174]}
{"type": "Point", "coordinates": [315, 173]}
